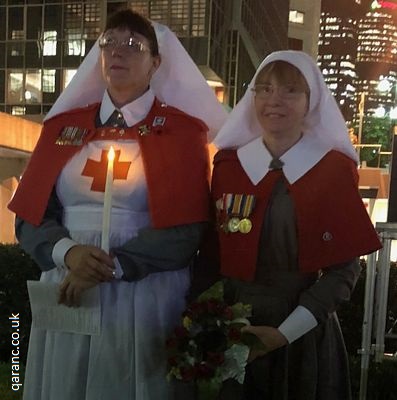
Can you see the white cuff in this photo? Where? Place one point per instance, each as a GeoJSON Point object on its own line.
{"type": "Point", "coordinates": [118, 270]}
{"type": "Point", "coordinates": [60, 249]}
{"type": "Point", "coordinates": [299, 322]}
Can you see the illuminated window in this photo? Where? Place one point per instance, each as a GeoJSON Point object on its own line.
{"type": "Point", "coordinates": [33, 86]}
{"type": "Point", "coordinates": [73, 29]}
{"type": "Point", "coordinates": [141, 7]}
{"type": "Point", "coordinates": [75, 45]}
{"type": "Point", "coordinates": [18, 110]}
{"type": "Point", "coordinates": [159, 11]}
{"type": "Point", "coordinates": [16, 49]}
{"type": "Point", "coordinates": [49, 80]}
{"type": "Point", "coordinates": [179, 17]}
{"type": "Point", "coordinates": [50, 43]}
{"type": "Point", "coordinates": [15, 87]}
{"type": "Point", "coordinates": [92, 18]}
{"type": "Point", "coordinates": [198, 17]}
{"type": "Point", "coordinates": [18, 35]}
{"type": "Point", "coordinates": [296, 17]}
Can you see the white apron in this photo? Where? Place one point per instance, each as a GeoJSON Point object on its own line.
{"type": "Point", "coordinates": [126, 361]}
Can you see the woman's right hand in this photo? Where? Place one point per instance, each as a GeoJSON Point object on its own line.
{"type": "Point", "coordinates": [90, 263]}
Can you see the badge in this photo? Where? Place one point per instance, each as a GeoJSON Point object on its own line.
{"type": "Point", "coordinates": [158, 121]}
{"type": "Point", "coordinates": [245, 225]}
{"type": "Point", "coordinates": [143, 130]}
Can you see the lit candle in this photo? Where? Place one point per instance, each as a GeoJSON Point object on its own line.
{"type": "Point", "coordinates": [107, 202]}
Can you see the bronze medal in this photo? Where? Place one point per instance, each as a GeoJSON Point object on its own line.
{"type": "Point", "coordinates": [245, 225]}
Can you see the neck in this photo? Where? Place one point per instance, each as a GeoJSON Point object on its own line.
{"type": "Point", "coordinates": [277, 145]}
{"type": "Point", "coordinates": [120, 98]}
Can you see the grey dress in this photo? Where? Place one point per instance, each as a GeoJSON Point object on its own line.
{"type": "Point", "coordinates": [314, 367]}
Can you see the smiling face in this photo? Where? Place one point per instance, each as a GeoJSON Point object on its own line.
{"type": "Point", "coordinates": [281, 101]}
{"type": "Point", "coordinates": [127, 64]}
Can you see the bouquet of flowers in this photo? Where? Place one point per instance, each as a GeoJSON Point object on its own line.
{"type": "Point", "coordinates": [208, 347]}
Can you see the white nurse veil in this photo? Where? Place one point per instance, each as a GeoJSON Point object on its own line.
{"type": "Point", "coordinates": [324, 123]}
{"type": "Point", "coordinates": [177, 82]}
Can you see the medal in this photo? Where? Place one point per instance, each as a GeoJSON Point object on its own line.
{"type": "Point", "coordinates": [233, 224]}
{"type": "Point", "coordinates": [72, 136]}
{"type": "Point", "coordinates": [233, 212]}
{"type": "Point", "coordinates": [245, 225]}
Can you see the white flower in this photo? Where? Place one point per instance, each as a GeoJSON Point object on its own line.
{"type": "Point", "coordinates": [235, 362]}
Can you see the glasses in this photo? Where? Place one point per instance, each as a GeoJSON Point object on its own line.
{"type": "Point", "coordinates": [128, 46]}
{"type": "Point", "coordinates": [285, 92]}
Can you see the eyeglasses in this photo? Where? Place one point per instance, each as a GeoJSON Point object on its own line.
{"type": "Point", "coordinates": [285, 92]}
{"type": "Point", "coordinates": [128, 46]}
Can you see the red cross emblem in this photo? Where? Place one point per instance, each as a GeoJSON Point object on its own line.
{"type": "Point", "coordinates": [98, 170]}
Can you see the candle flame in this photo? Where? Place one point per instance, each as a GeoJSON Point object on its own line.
{"type": "Point", "coordinates": [111, 154]}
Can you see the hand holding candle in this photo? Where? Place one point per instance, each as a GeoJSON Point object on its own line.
{"type": "Point", "coordinates": [107, 202]}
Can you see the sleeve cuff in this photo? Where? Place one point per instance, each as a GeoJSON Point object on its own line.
{"type": "Point", "coordinates": [60, 249]}
{"type": "Point", "coordinates": [118, 270]}
{"type": "Point", "coordinates": [299, 322]}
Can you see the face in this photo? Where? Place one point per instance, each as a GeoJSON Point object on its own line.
{"type": "Point", "coordinates": [127, 64]}
{"type": "Point", "coordinates": [280, 108]}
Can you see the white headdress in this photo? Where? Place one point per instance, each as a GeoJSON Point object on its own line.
{"type": "Point", "coordinates": [323, 122]}
{"type": "Point", "coordinates": [177, 82]}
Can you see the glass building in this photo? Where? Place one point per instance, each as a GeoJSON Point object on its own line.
{"type": "Point", "coordinates": [357, 51]}
{"type": "Point", "coordinates": [42, 43]}
{"type": "Point", "coordinates": [377, 56]}
{"type": "Point", "coordinates": [337, 56]}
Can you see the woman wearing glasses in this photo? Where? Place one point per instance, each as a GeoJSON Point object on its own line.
{"type": "Point", "coordinates": [291, 225]}
{"type": "Point", "coordinates": [105, 339]}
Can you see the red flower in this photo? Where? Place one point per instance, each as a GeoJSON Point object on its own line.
{"type": "Point", "coordinates": [213, 306]}
{"type": "Point", "coordinates": [173, 361]}
{"type": "Point", "coordinates": [187, 373]}
{"type": "Point", "coordinates": [234, 334]}
{"type": "Point", "coordinates": [228, 312]}
{"type": "Point", "coordinates": [204, 371]}
{"type": "Point", "coordinates": [181, 332]}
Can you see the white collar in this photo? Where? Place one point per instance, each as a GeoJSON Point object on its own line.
{"type": "Point", "coordinates": [132, 112]}
{"type": "Point", "coordinates": [306, 153]}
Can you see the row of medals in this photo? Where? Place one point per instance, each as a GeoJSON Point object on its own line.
{"type": "Point", "coordinates": [236, 224]}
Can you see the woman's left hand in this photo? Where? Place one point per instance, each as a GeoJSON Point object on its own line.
{"type": "Point", "coordinates": [271, 337]}
{"type": "Point", "coordinates": [72, 288]}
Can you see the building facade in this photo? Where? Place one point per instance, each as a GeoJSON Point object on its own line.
{"type": "Point", "coordinates": [304, 26]}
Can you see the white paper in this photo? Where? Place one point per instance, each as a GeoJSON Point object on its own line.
{"type": "Point", "coordinates": [48, 314]}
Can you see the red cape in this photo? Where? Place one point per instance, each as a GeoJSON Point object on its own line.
{"type": "Point", "coordinates": [333, 225]}
{"type": "Point", "coordinates": [175, 159]}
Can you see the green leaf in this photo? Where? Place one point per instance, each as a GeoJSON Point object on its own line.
{"type": "Point", "coordinates": [241, 310]}
{"type": "Point", "coordinates": [214, 292]}
{"type": "Point", "coordinates": [208, 390]}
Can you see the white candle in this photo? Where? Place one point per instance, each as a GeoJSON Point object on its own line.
{"type": "Point", "coordinates": [107, 202]}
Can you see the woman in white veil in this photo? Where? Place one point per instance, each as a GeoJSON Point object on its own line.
{"type": "Point", "coordinates": [291, 226]}
{"type": "Point", "coordinates": [140, 92]}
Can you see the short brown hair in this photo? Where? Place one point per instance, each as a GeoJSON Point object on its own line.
{"type": "Point", "coordinates": [125, 18]}
{"type": "Point", "coordinates": [284, 73]}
